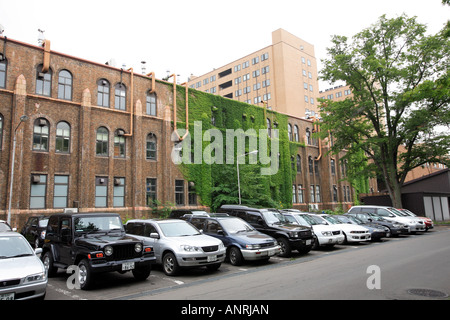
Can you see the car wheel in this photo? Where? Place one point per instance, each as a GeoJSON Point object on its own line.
{"type": "Point", "coordinates": [285, 247]}
{"type": "Point", "coordinates": [316, 244]}
{"type": "Point", "coordinates": [170, 264]}
{"type": "Point", "coordinates": [84, 274]}
{"type": "Point", "coordinates": [388, 233]}
{"type": "Point", "coordinates": [142, 273]}
{"type": "Point", "coordinates": [47, 260]}
{"type": "Point", "coordinates": [235, 255]}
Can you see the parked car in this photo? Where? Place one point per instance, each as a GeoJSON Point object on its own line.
{"type": "Point", "coordinates": [178, 244]}
{"type": "Point", "coordinates": [428, 222]}
{"type": "Point", "coordinates": [4, 226]}
{"type": "Point", "coordinates": [324, 234]}
{"type": "Point", "coordinates": [178, 213]}
{"type": "Point", "coordinates": [273, 223]}
{"type": "Point", "coordinates": [376, 231]}
{"type": "Point", "coordinates": [96, 243]}
{"type": "Point", "coordinates": [352, 233]}
{"type": "Point", "coordinates": [34, 230]}
{"type": "Point", "coordinates": [243, 242]}
{"type": "Point", "coordinates": [395, 228]}
{"type": "Point", "coordinates": [22, 275]}
{"type": "Point", "coordinates": [392, 214]}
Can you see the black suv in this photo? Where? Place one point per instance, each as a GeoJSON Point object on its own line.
{"type": "Point", "coordinates": [271, 222]}
{"type": "Point", "coordinates": [34, 230]}
{"type": "Point", "coordinates": [95, 242]}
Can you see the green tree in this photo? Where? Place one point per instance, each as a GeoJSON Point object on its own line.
{"type": "Point", "coordinates": [399, 77]}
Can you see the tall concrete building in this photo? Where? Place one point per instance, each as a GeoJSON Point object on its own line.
{"type": "Point", "coordinates": [282, 77]}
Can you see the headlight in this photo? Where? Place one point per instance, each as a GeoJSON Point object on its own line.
{"type": "Point", "coordinates": [293, 234]}
{"type": "Point", "coordinates": [108, 250]}
{"type": "Point", "coordinates": [190, 248]}
{"type": "Point", "coordinates": [35, 277]}
{"type": "Point", "coordinates": [327, 233]}
{"type": "Point", "coordinates": [396, 225]}
{"type": "Point", "coordinates": [138, 247]}
{"type": "Point", "coordinates": [253, 246]}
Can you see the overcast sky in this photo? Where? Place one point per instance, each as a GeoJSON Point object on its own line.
{"type": "Point", "coordinates": [195, 36]}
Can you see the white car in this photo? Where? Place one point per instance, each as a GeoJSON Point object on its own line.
{"type": "Point", "coordinates": [22, 273]}
{"type": "Point", "coordinates": [392, 214]}
{"type": "Point", "coordinates": [352, 232]}
{"type": "Point", "coordinates": [177, 244]}
{"type": "Point", "coordinates": [324, 234]}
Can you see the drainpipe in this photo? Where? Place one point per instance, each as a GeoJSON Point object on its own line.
{"type": "Point", "coordinates": [317, 129]}
{"type": "Point", "coordinates": [46, 64]}
{"type": "Point", "coordinates": [152, 75]}
{"type": "Point", "coordinates": [132, 105]}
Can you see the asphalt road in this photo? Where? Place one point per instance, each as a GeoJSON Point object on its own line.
{"type": "Point", "coordinates": [391, 268]}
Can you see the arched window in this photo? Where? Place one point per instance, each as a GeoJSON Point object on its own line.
{"type": "Point", "coordinates": [40, 134]}
{"type": "Point", "coordinates": [3, 67]}
{"type": "Point", "coordinates": [296, 134]}
{"type": "Point", "coordinates": [103, 93]}
{"type": "Point", "coordinates": [102, 141]}
{"type": "Point", "coordinates": [151, 104]}
{"type": "Point", "coordinates": [310, 164]}
{"type": "Point", "coordinates": [151, 147]}
{"type": "Point", "coordinates": [63, 137]}
{"type": "Point", "coordinates": [308, 136]}
{"type": "Point", "coordinates": [269, 128]}
{"type": "Point", "coordinates": [299, 164]}
{"type": "Point", "coordinates": [43, 82]}
{"type": "Point", "coordinates": [65, 85]}
{"type": "Point", "coordinates": [120, 96]}
{"type": "Point", "coordinates": [290, 131]}
{"type": "Point", "coordinates": [119, 143]}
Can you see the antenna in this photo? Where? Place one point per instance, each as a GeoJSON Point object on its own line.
{"type": "Point", "coordinates": [143, 68]}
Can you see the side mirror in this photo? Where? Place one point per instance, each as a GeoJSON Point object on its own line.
{"type": "Point", "coordinates": [38, 251]}
{"type": "Point", "coordinates": [154, 235]}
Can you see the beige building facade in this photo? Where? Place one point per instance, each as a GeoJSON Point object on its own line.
{"type": "Point", "coordinates": [282, 77]}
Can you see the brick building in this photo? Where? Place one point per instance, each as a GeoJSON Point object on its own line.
{"type": "Point", "coordinates": [98, 138]}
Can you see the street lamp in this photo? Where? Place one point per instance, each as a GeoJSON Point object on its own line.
{"type": "Point", "coordinates": [237, 169]}
{"type": "Point", "coordinates": [11, 182]}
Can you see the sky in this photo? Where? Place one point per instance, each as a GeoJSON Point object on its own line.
{"type": "Point", "coordinates": [195, 36]}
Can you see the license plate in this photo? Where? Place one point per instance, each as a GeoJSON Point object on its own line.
{"type": "Point", "coordinates": [127, 266]}
{"type": "Point", "coordinates": [7, 296]}
{"type": "Point", "coordinates": [212, 258]}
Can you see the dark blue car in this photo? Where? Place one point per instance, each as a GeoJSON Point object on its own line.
{"type": "Point", "coordinates": [243, 242]}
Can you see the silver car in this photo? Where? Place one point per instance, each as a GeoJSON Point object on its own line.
{"type": "Point", "coordinates": [22, 274]}
{"type": "Point", "coordinates": [177, 244]}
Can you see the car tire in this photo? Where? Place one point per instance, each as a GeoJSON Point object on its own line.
{"type": "Point", "coordinates": [47, 260]}
{"type": "Point", "coordinates": [316, 243]}
{"type": "Point", "coordinates": [170, 264]}
{"type": "Point", "coordinates": [142, 273]}
{"type": "Point", "coordinates": [213, 267]}
{"type": "Point", "coordinates": [85, 277]}
{"type": "Point", "coordinates": [235, 256]}
{"type": "Point", "coordinates": [285, 247]}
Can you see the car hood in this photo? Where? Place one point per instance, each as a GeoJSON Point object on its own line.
{"type": "Point", "coordinates": [20, 267]}
{"type": "Point", "coordinates": [201, 240]}
{"type": "Point", "coordinates": [322, 227]}
{"type": "Point", "coordinates": [350, 227]}
{"type": "Point", "coordinates": [289, 226]}
{"type": "Point", "coordinates": [101, 240]}
{"type": "Point", "coordinates": [252, 237]}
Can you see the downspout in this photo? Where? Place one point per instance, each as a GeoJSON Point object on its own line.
{"type": "Point", "coordinates": [152, 75]}
{"type": "Point", "coordinates": [132, 105]}
{"type": "Point", "coordinates": [46, 64]}
{"type": "Point", "coordinates": [317, 129]}
{"type": "Point", "coordinates": [175, 108]}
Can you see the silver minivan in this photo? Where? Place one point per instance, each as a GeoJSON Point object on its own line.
{"type": "Point", "coordinates": [177, 244]}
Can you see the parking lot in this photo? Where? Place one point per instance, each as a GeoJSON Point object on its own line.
{"type": "Point", "coordinates": [124, 286]}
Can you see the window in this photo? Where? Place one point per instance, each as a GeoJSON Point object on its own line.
{"type": "Point", "coordinates": [103, 93]}
{"type": "Point", "coordinates": [266, 83]}
{"type": "Point", "coordinates": [256, 73]}
{"type": "Point", "coordinates": [308, 136]}
{"type": "Point", "coordinates": [179, 192]}
{"type": "Point", "coordinates": [335, 193]}
{"type": "Point", "coordinates": [300, 193]}
{"type": "Point", "coordinates": [119, 144]}
{"type": "Point", "coordinates": [192, 194]}
{"type": "Point", "coordinates": [290, 131]}
{"type": "Point", "coordinates": [294, 194]}
{"type": "Point", "coordinates": [101, 148]}
{"type": "Point", "coordinates": [61, 191]}
{"type": "Point", "coordinates": [38, 191]}
{"type": "Point", "coordinates": [333, 166]}
{"type": "Point", "coordinates": [151, 189]}
{"type": "Point", "coordinates": [255, 60]}
{"type": "Point", "coordinates": [151, 147]}
{"type": "Point", "coordinates": [317, 193]}
{"type": "Point", "coordinates": [101, 192]}
{"type": "Point", "coordinates": [40, 135]}
{"type": "Point", "coordinates": [310, 164]}
{"type": "Point", "coordinates": [62, 137]}
{"type": "Point", "coordinates": [65, 85]}
{"type": "Point", "coordinates": [119, 192]}
{"type": "Point", "coordinates": [267, 96]}
{"type": "Point", "coordinates": [296, 137]}
{"type": "Point", "coordinates": [265, 70]}
{"type": "Point", "coordinates": [311, 192]}
{"type": "Point", "coordinates": [151, 104]}
{"type": "Point", "coordinates": [43, 82]}
{"type": "Point", "coordinates": [316, 167]}
{"type": "Point", "coordinates": [3, 65]}
{"type": "Point", "coordinates": [120, 96]}
{"type": "Point", "coordinates": [299, 164]}
{"type": "Point", "coordinates": [256, 86]}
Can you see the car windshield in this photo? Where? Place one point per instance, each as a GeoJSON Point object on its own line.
{"type": "Point", "coordinates": [398, 212]}
{"type": "Point", "coordinates": [332, 220]}
{"type": "Point", "coordinates": [93, 224]}
{"type": "Point", "coordinates": [355, 219]}
{"type": "Point", "coordinates": [235, 225]}
{"type": "Point", "coordinates": [344, 219]}
{"type": "Point", "coordinates": [4, 227]}
{"type": "Point", "coordinates": [274, 217]}
{"type": "Point", "coordinates": [14, 247]}
{"type": "Point", "coordinates": [178, 229]}
{"type": "Point", "coordinates": [304, 220]}
{"type": "Point", "coordinates": [43, 222]}
{"type": "Point", "coordinates": [318, 220]}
